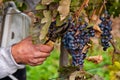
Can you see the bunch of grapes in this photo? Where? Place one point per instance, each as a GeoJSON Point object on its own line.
{"type": "Point", "coordinates": [105, 26]}
{"type": "Point", "coordinates": [53, 29]}
{"type": "Point", "coordinates": [75, 39]}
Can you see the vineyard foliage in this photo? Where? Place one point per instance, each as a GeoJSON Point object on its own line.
{"type": "Point", "coordinates": [91, 14]}
{"type": "Point", "coordinates": [59, 10]}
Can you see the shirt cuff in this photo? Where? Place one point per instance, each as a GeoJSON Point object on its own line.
{"type": "Point", "coordinates": [10, 60]}
{"type": "Point", "coordinates": [20, 66]}
{"type": "Point", "coordinates": [7, 63]}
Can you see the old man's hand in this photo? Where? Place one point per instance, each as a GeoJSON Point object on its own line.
{"type": "Point", "coordinates": [26, 52]}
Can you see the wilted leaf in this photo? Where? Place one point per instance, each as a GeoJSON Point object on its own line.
{"type": "Point", "coordinates": [64, 8]}
{"type": "Point", "coordinates": [96, 28]}
{"type": "Point", "coordinates": [47, 21]}
{"type": "Point", "coordinates": [50, 43]}
{"type": "Point", "coordinates": [1, 2]}
{"type": "Point", "coordinates": [96, 77]}
{"type": "Point", "coordinates": [76, 74]}
{"type": "Point", "coordinates": [46, 2]}
{"type": "Point", "coordinates": [94, 17]}
{"type": "Point", "coordinates": [32, 16]}
{"type": "Point", "coordinates": [73, 75]}
{"type": "Point", "coordinates": [118, 74]}
{"type": "Point", "coordinates": [47, 16]}
{"type": "Point", "coordinates": [96, 59]}
{"type": "Point", "coordinates": [80, 75]}
{"type": "Point", "coordinates": [85, 49]}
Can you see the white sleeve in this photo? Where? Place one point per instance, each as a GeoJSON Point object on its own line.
{"type": "Point", "coordinates": [7, 63]}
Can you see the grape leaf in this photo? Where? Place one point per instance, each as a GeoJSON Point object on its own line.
{"type": "Point", "coordinates": [46, 21]}
{"type": "Point", "coordinates": [64, 8]}
{"type": "Point", "coordinates": [58, 21]}
{"type": "Point", "coordinates": [46, 2]}
{"type": "Point", "coordinates": [96, 27]}
{"type": "Point", "coordinates": [39, 7]}
{"type": "Point", "coordinates": [96, 59]}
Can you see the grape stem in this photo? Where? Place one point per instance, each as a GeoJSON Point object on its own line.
{"type": "Point", "coordinates": [84, 4]}
{"type": "Point", "coordinates": [85, 49]}
{"type": "Point", "coordinates": [114, 46]}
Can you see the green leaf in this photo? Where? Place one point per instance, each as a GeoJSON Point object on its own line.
{"type": "Point", "coordinates": [39, 7]}
{"type": "Point", "coordinates": [58, 21]}
{"type": "Point", "coordinates": [64, 8]}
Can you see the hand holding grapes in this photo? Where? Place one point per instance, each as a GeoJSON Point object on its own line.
{"type": "Point", "coordinates": [27, 53]}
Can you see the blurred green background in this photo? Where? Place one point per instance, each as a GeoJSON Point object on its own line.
{"type": "Point", "coordinates": [49, 69]}
{"type": "Point", "coordinates": [46, 71]}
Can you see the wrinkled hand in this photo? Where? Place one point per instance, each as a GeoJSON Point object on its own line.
{"type": "Point", "coordinates": [27, 53]}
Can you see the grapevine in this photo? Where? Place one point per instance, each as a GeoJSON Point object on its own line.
{"type": "Point", "coordinates": [75, 40]}
{"type": "Point", "coordinates": [77, 36]}
{"type": "Point", "coordinates": [73, 22]}
{"type": "Point", "coordinates": [77, 27]}
{"type": "Point", "coordinates": [105, 26]}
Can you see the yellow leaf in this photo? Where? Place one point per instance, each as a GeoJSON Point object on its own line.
{"type": "Point", "coordinates": [47, 21]}
{"type": "Point", "coordinates": [64, 8]}
{"type": "Point", "coordinates": [47, 16]}
{"type": "Point", "coordinates": [117, 64]}
{"type": "Point", "coordinates": [112, 75]}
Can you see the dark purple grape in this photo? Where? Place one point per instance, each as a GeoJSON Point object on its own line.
{"type": "Point", "coordinates": [75, 43]}
{"type": "Point", "coordinates": [106, 28]}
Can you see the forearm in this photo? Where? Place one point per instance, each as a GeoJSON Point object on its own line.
{"type": "Point", "coordinates": [7, 63]}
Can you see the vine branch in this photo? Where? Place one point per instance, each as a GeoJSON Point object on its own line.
{"type": "Point", "coordinates": [114, 46]}
{"type": "Point", "coordinates": [84, 4]}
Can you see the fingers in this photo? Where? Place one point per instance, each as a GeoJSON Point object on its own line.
{"type": "Point", "coordinates": [27, 53]}
{"type": "Point", "coordinates": [39, 54]}
{"type": "Point", "coordinates": [32, 64]}
{"type": "Point", "coordinates": [44, 48]}
{"type": "Point", "coordinates": [38, 61]}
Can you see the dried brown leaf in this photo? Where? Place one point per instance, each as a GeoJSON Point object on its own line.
{"type": "Point", "coordinates": [1, 2]}
{"type": "Point", "coordinates": [94, 17]}
{"type": "Point", "coordinates": [75, 74]}
{"type": "Point", "coordinates": [64, 8]}
{"type": "Point", "coordinates": [46, 21]}
{"type": "Point", "coordinates": [85, 49]}
{"type": "Point", "coordinates": [96, 59]}
{"type": "Point", "coordinates": [96, 28]}
{"type": "Point", "coordinates": [50, 43]}
{"type": "Point", "coordinates": [32, 16]}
